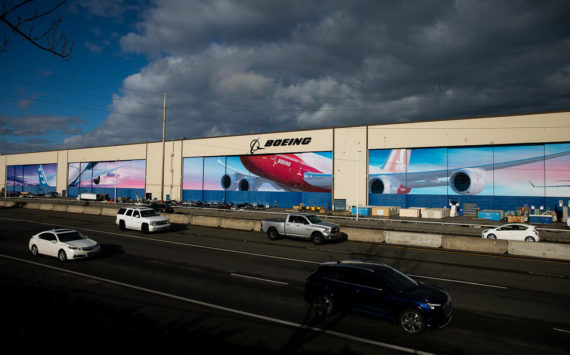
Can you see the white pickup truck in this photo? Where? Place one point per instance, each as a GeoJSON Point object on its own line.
{"type": "Point", "coordinates": [302, 225]}
{"type": "Point", "coordinates": [141, 218]}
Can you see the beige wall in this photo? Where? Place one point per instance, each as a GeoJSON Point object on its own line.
{"type": "Point", "coordinates": [321, 140]}
{"type": "Point", "coordinates": [350, 149]}
{"type": "Point", "coordinates": [350, 165]}
{"type": "Point", "coordinates": [539, 128]}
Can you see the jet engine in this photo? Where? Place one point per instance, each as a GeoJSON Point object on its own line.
{"type": "Point", "coordinates": [467, 181]}
{"type": "Point", "coordinates": [234, 184]}
{"type": "Point", "coordinates": [383, 185]}
{"type": "Point", "coordinates": [97, 180]}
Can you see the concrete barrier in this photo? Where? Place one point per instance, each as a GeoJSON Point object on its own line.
{"type": "Point", "coordinates": [240, 224]}
{"type": "Point", "coordinates": [60, 207]}
{"type": "Point", "coordinates": [75, 209]}
{"type": "Point", "coordinates": [206, 221]}
{"type": "Point", "coordinates": [46, 206]}
{"type": "Point", "coordinates": [32, 205]}
{"type": "Point", "coordinates": [177, 218]}
{"type": "Point", "coordinates": [364, 234]}
{"type": "Point", "coordinates": [8, 204]}
{"type": "Point", "coordinates": [475, 244]}
{"type": "Point", "coordinates": [92, 210]}
{"type": "Point", "coordinates": [418, 239]}
{"type": "Point", "coordinates": [539, 250]}
{"type": "Point", "coordinates": [109, 211]}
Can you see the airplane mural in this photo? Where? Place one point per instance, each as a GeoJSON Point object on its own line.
{"type": "Point", "coordinates": [397, 177]}
{"type": "Point", "coordinates": [308, 172]}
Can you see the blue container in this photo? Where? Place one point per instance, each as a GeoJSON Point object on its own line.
{"type": "Point", "coordinates": [362, 211]}
{"type": "Point", "coordinates": [489, 215]}
{"type": "Point", "coordinates": [540, 219]}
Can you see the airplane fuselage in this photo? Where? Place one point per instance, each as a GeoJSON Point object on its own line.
{"type": "Point", "coordinates": [286, 170]}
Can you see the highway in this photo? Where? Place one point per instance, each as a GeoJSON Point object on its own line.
{"type": "Point", "coordinates": [208, 289]}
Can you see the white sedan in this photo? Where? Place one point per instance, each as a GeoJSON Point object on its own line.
{"type": "Point", "coordinates": [65, 244]}
{"type": "Point", "coordinates": [512, 231]}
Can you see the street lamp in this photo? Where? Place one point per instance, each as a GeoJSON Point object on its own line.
{"type": "Point", "coordinates": [357, 176]}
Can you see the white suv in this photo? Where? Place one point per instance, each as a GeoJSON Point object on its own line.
{"type": "Point", "coordinates": [141, 218]}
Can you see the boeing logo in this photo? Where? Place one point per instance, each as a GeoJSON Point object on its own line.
{"type": "Point", "coordinates": [255, 145]}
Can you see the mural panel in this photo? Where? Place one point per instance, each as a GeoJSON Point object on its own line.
{"type": "Point", "coordinates": [282, 179]}
{"type": "Point", "coordinates": [36, 179]}
{"type": "Point", "coordinates": [494, 177]}
{"type": "Point", "coordinates": [120, 178]}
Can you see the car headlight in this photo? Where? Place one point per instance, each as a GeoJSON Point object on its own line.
{"type": "Point", "coordinates": [73, 248]}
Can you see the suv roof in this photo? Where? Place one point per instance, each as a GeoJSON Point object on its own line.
{"type": "Point", "coordinates": [139, 208]}
{"type": "Point", "coordinates": [367, 265]}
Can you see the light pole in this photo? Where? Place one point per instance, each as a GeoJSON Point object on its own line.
{"type": "Point", "coordinates": [357, 176]}
{"type": "Point", "coordinates": [163, 147]}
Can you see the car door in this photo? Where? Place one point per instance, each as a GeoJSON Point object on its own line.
{"type": "Point", "coordinates": [136, 220]}
{"type": "Point", "coordinates": [129, 219]}
{"type": "Point", "coordinates": [47, 244]}
{"type": "Point", "coordinates": [507, 232]}
{"type": "Point", "coordinates": [372, 296]}
{"type": "Point", "coordinates": [293, 227]}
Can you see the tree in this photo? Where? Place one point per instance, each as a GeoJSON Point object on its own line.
{"type": "Point", "coordinates": [22, 19]}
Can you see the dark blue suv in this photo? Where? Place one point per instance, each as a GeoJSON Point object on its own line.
{"type": "Point", "coordinates": [378, 290]}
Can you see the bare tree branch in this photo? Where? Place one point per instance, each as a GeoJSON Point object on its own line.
{"type": "Point", "coordinates": [24, 26]}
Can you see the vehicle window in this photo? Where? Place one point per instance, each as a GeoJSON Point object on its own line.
{"type": "Point", "coordinates": [366, 278]}
{"type": "Point", "coordinates": [70, 236]}
{"type": "Point", "coordinates": [129, 213]}
{"type": "Point", "coordinates": [136, 214]}
{"type": "Point", "coordinates": [398, 281]}
{"type": "Point", "coordinates": [47, 236]}
{"type": "Point", "coordinates": [303, 220]}
{"type": "Point", "coordinates": [149, 213]}
{"type": "Point", "coordinates": [293, 219]}
{"type": "Point", "coordinates": [314, 219]}
{"type": "Point", "coordinates": [522, 228]}
{"type": "Point", "coordinates": [508, 228]}
{"type": "Point", "coordinates": [122, 211]}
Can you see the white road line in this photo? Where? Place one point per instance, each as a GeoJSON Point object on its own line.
{"type": "Point", "coordinates": [242, 252]}
{"type": "Point", "coordinates": [561, 330]}
{"type": "Point", "coordinates": [259, 279]}
{"type": "Point", "coordinates": [459, 281]}
{"type": "Point", "coordinates": [173, 243]}
{"type": "Point", "coordinates": [225, 309]}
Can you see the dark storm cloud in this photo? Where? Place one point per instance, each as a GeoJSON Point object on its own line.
{"type": "Point", "coordinates": [251, 66]}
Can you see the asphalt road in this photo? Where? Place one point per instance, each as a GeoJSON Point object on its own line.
{"type": "Point", "coordinates": [206, 289]}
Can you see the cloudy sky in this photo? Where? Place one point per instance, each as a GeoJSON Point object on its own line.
{"type": "Point", "coordinates": [237, 67]}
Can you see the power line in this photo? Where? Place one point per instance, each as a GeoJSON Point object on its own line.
{"type": "Point", "coordinates": [74, 106]}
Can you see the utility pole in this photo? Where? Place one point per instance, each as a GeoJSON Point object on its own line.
{"type": "Point", "coordinates": [163, 147]}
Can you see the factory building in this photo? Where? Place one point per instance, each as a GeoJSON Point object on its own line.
{"type": "Point", "coordinates": [500, 162]}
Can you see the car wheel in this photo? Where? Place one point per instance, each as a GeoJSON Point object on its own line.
{"type": "Point", "coordinates": [529, 239]}
{"type": "Point", "coordinates": [144, 228]}
{"type": "Point", "coordinates": [318, 238]}
{"type": "Point", "coordinates": [491, 236]}
{"type": "Point", "coordinates": [62, 256]}
{"type": "Point", "coordinates": [34, 250]}
{"type": "Point", "coordinates": [412, 321]}
{"type": "Point", "coordinates": [272, 234]}
{"type": "Point", "coordinates": [122, 225]}
{"type": "Point", "coordinates": [323, 305]}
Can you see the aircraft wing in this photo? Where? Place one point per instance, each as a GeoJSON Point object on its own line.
{"type": "Point", "coordinates": [318, 179]}
{"type": "Point", "coordinates": [439, 177]}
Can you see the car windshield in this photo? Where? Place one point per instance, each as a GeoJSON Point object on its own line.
{"type": "Point", "coordinates": [314, 219]}
{"type": "Point", "coordinates": [399, 281]}
{"type": "Point", "coordinates": [70, 236]}
{"type": "Point", "coordinates": [149, 213]}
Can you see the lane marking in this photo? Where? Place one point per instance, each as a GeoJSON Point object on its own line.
{"type": "Point", "coordinates": [225, 309]}
{"type": "Point", "coordinates": [248, 253]}
{"type": "Point", "coordinates": [461, 282]}
{"type": "Point", "coordinates": [561, 330]}
{"type": "Point", "coordinates": [259, 279]}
